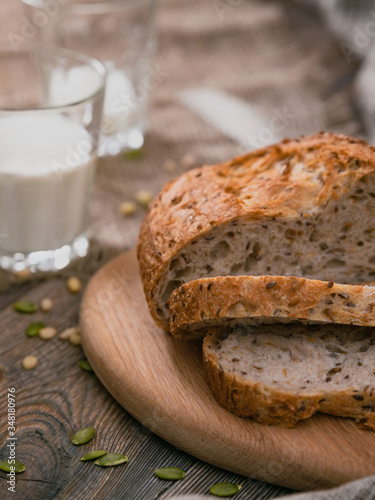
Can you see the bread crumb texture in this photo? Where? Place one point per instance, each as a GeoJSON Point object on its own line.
{"type": "Point", "coordinates": [279, 374]}
{"type": "Point", "coordinates": [303, 207]}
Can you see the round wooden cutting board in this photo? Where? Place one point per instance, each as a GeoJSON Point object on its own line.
{"type": "Point", "coordinates": [160, 381]}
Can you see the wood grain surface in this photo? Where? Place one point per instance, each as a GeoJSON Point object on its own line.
{"type": "Point", "coordinates": [57, 398]}
{"type": "Point", "coordinates": [159, 380]}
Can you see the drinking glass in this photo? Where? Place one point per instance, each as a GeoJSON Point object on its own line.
{"type": "Point", "coordinates": [120, 33]}
{"type": "Point", "coordinates": [47, 156]}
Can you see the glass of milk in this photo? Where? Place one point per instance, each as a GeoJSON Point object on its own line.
{"type": "Point", "coordinates": [48, 148]}
{"type": "Point", "coordinates": [119, 33]}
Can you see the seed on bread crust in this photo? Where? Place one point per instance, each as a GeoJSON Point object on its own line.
{"type": "Point", "coordinates": [358, 397]}
{"type": "Point", "coordinates": [271, 284]}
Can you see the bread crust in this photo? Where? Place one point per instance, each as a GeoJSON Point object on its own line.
{"type": "Point", "coordinates": [207, 302]}
{"type": "Point", "coordinates": [210, 197]}
{"type": "Point", "coordinates": [271, 406]}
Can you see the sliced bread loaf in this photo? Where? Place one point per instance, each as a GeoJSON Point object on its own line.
{"type": "Point", "coordinates": [279, 374]}
{"type": "Point", "coordinates": [251, 300]}
{"type": "Point", "coordinates": [303, 207]}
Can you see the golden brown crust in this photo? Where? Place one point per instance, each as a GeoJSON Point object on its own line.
{"type": "Point", "coordinates": [271, 406]}
{"type": "Point", "coordinates": [208, 302]}
{"type": "Point", "coordinates": [189, 206]}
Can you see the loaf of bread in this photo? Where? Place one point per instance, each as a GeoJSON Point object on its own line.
{"type": "Point", "coordinates": [279, 374]}
{"type": "Point", "coordinates": [303, 207]}
{"type": "Point", "coordinates": [251, 300]}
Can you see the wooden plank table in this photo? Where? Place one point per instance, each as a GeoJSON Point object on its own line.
{"type": "Point", "coordinates": [57, 398]}
{"type": "Point", "coordinates": [197, 47]}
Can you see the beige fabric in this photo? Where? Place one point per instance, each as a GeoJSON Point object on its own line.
{"type": "Point", "coordinates": [363, 489]}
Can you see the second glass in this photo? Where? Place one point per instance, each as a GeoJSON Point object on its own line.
{"type": "Point", "coordinates": [120, 33]}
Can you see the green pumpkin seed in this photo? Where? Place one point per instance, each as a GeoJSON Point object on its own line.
{"type": "Point", "coordinates": [225, 489]}
{"type": "Point", "coordinates": [112, 459]}
{"type": "Point", "coordinates": [91, 455]}
{"type": "Point", "coordinates": [134, 154]}
{"type": "Point", "coordinates": [85, 366]}
{"type": "Point", "coordinates": [83, 436]}
{"type": "Point", "coordinates": [170, 473]}
{"type": "Point", "coordinates": [24, 306]}
{"type": "Point", "coordinates": [34, 328]}
{"type": "Point", "coordinates": [17, 467]}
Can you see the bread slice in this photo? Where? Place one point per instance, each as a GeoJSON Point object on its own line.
{"type": "Point", "coordinates": [279, 374]}
{"type": "Point", "coordinates": [251, 300]}
{"type": "Point", "coordinates": [303, 207]}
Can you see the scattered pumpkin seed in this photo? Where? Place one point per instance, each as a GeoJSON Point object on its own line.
{"type": "Point", "coordinates": [91, 455]}
{"type": "Point", "coordinates": [271, 284]}
{"type": "Point", "coordinates": [34, 328]}
{"type": "Point", "coordinates": [225, 489]}
{"type": "Point", "coordinates": [75, 338]}
{"type": "Point", "coordinates": [169, 166]}
{"type": "Point", "coordinates": [143, 197]}
{"type": "Point", "coordinates": [47, 333]}
{"type": "Point", "coordinates": [24, 274]}
{"type": "Point", "coordinates": [29, 362]}
{"type": "Point", "coordinates": [68, 332]}
{"type": "Point", "coordinates": [83, 436]}
{"type": "Point", "coordinates": [46, 304]}
{"type": "Point", "coordinates": [18, 466]}
{"type": "Point", "coordinates": [85, 366]}
{"type": "Point", "coordinates": [134, 154]}
{"type": "Point", "coordinates": [112, 459]}
{"type": "Point", "coordinates": [74, 285]}
{"type": "Point", "coordinates": [25, 307]}
{"type": "Point", "coordinates": [127, 208]}
{"type": "Point", "coordinates": [170, 473]}
{"type": "Point", "coordinates": [188, 161]}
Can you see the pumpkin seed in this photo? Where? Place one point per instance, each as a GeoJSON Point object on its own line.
{"type": "Point", "coordinates": [34, 328]}
{"type": "Point", "coordinates": [29, 362]}
{"type": "Point", "coordinates": [91, 455]}
{"type": "Point", "coordinates": [46, 304]}
{"type": "Point", "coordinates": [17, 467]}
{"type": "Point", "coordinates": [143, 197]}
{"type": "Point", "coordinates": [85, 365]}
{"type": "Point", "coordinates": [188, 161]}
{"type": "Point", "coordinates": [170, 473]}
{"type": "Point", "coordinates": [112, 459]}
{"type": "Point", "coordinates": [73, 334]}
{"type": "Point", "coordinates": [23, 274]}
{"type": "Point", "coordinates": [83, 436]}
{"type": "Point", "coordinates": [225, 489]}
{"type": "Point", "coordinates": [128, 208]}
{"type": "Point", "coordinates": [134, 154]}
{"type": "Point", "coordinates": [170, 166]}
{"type": "Point", "coordinates": [47, 333]}
{"type": "Point", "coordinates": [74, 285]}
{"type": "Point", "coordinates": [25, 307]}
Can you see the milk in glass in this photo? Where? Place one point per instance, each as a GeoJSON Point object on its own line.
{"type": "Point", "coordinates": [46, 171]}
